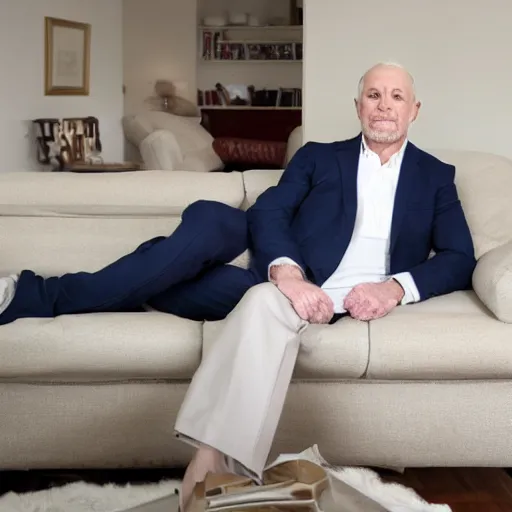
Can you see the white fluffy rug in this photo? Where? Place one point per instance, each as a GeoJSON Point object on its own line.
{"type": "Point", "coordinates": [83, 497]}
{"type": "Point", "coordinates": [353, 489]}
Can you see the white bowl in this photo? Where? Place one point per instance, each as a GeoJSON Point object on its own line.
{"type": "Point", "coordinates": [236, 18]}
{"type": "Point", "coordinates": [215, 21]}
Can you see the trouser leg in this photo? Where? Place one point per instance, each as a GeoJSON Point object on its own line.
{"type": "Point", "coordinates": [209, 234]}
{"type": "Point", "coordinates": [236, 397]}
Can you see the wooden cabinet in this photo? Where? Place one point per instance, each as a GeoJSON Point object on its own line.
{"type": "Point", "coordinates": [257, 123]}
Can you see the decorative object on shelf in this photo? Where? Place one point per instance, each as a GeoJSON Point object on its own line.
{"type": "Point", "coordinates": [215, 21]}
{"type": "Point", "coordinates": [233, 94]}
{"type": "Point", "coordinates": [253, 21]}
{"type": "Point", "coordinates": [167, 100]}
{"type": "Point", "coordinates": [238, 18]}
{"type": "Point", "coordinates": [67, 57]}
{"type": "Point", "coordinates": [62, 142]}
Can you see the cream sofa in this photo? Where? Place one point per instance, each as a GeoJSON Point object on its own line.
{"type": "Point", "coordinates": [430, 384]}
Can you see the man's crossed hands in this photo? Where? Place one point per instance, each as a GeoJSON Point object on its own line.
{"type": "Point", "coordinates": [366, 301]}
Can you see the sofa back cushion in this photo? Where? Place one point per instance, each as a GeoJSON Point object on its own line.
{"type": "Point", "coordinates": [484, 184]}
{"type": "Point", "coordinates": [189, 133]}
{"type": "Point", "coordinates": [63, 222]}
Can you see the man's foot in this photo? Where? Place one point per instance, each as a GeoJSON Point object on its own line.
{"type": "Point", "coordinates": [7, 291]}
{"type": "Point", "coordinates": [206, 460]}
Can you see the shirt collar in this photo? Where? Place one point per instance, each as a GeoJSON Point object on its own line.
{"type": "Point", "coordinates": [395, 159]}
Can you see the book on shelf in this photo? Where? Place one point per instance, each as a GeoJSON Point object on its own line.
{"type": "Point", "coordinates": [280, 97]}
{"type": "Point", "coordinates": [217, 47]}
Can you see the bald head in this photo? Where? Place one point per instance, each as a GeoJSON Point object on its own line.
{"type": "Point", "coordinates": [386, 103]}
{"type": "Point", "coordinates": [391, 67]}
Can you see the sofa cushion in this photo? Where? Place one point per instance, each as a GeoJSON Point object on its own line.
{"type": "Point", "coordinates": [73, 244]}
{"type": "Point", "coordinates": [336, 351]}
{"type": "Point", "coordinates": [100, 347]}
{"type": "Point", "coordinates": [188, 130]}
{"type": "Point", "coordinates": [257, 181]}
{"type": "Point", "coordinates": [202, 160]}
{"type": "Point", "coordinates": [84, 222]}
{"type": "Point", "coordinates": [481, 179]}
{"type": "Point", "coordinates": [492, 281]}
{"type": "Point", "coordinates": [134, 194]}
{"type": "Point", "coordinates": [265, 153]}
{"type": "Point", "coordinates": [449, 337]}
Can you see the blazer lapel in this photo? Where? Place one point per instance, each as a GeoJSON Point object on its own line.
{"type": "Point", "coordinates": [348, 163]}
{"type": "Point", "coordinates": [404, 189]}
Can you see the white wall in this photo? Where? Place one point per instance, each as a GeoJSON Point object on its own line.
{"type": "Point", "coordinates": [159, 42]}
{"type": "Point", "coordinates": [458, 51]}
{"type": "Point", "coordinates": [22, 76]}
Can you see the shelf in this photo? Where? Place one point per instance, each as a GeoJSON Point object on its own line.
{"type": "Point", "coordinates": [247, 27]}
{"type": "Point", "coordinates": [250, 61]}
{"type": "Point", "coordinates": [216, 45]}
{"type": "Point", "coordinates": [257, 41]}
{"type": "Point", "coordinates": [244, 107]}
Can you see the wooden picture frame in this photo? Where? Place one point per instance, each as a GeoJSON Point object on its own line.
{"type": "Point", "coordinates": [67, 57]}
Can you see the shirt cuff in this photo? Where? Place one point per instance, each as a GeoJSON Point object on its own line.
{"type": "Point", "coordinates": [284, 260]}
{"type": "Point", "coordinates": [411, 293]}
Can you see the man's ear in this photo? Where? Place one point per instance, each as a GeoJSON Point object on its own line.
{"type": "Point", "coordinates": [356, 103]}
{"type": "Point", "coordinates": [416, 110]}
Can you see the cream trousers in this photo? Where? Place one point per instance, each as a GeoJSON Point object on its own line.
{"type": "Point", "coordinates": [237, 394]}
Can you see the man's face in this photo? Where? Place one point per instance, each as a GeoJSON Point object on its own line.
{"type": "Point", "coordinates": [387, 105]}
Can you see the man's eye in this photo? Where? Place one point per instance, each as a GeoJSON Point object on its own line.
{"type": "Point", "coordinates": [398, 97]}
{"type": "Point", "coordinates": [373, 95]}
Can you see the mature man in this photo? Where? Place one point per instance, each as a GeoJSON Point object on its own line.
{"type": "Point", "coordinates": [348, 230]}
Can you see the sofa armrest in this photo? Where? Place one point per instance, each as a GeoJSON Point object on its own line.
{"type": "Point", "coordinates": [161, 151]}
{"type": "Point", "coordinates": [492, 281]}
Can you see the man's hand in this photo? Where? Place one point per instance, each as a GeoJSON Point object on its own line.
{"type": "Point", "coordinates": [309, 301]}
{"type": "Point", "coordinates": [369, 301]}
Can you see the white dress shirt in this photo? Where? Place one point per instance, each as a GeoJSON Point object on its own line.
{"type": "Point", "coordinates": [366, 259]}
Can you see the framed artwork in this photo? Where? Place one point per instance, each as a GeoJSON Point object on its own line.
{"type": "Point", "coordinates": [67, 57]}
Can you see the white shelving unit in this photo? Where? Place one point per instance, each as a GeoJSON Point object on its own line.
{"type": "Point", "coordinates": [260, 44]}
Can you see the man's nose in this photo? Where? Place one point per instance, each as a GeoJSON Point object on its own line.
{"type": "Point", "coordinates": [384, 103]}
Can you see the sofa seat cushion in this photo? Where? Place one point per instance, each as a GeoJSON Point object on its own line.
{"type": "Point", "coordinates": [338, 351]}
{"type": "Point", "coordinates": [100, 347]}
{"type": "Point", "coordinates": [449, 337]}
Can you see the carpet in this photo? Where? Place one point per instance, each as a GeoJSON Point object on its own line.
{"type": "Point", "coordinates": [353, 489]}
{"type": "Point", "coordinates": [86, 497]}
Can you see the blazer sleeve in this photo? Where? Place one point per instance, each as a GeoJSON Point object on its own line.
{"type": "Point", "coordinates": [452, 267]}
{"type": "Point", "coordinates": [270, 218]}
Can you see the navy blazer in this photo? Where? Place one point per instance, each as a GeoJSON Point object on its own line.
{"type": "Point", "coordinates": [309, 216]}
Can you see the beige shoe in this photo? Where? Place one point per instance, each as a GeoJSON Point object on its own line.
{"type": "Point", "coordinates": [291, 486]}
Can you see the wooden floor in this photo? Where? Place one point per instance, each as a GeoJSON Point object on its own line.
{"type": "Point", "coordinates": [464, 489]}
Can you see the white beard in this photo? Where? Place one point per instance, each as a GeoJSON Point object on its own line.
{"type": "Point", "coordinates": [383, 137]}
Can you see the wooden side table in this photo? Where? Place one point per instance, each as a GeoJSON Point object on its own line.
{"type": "Point", "coordinates": [104, 167]}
